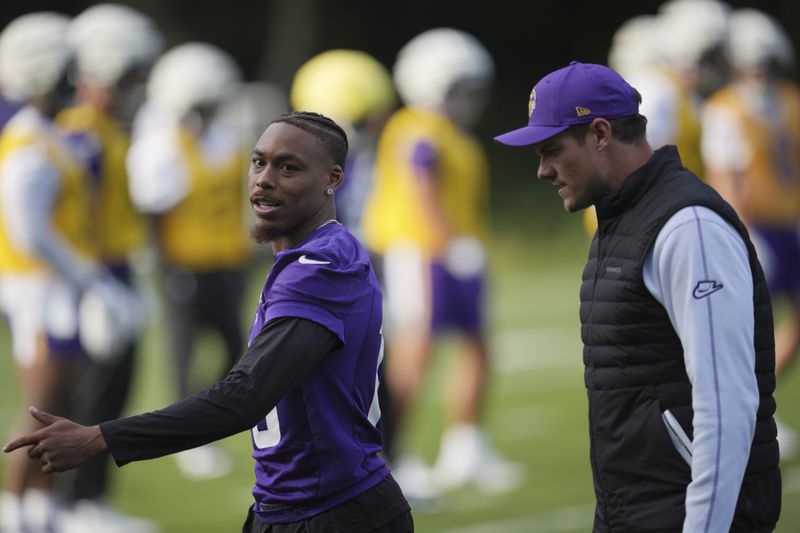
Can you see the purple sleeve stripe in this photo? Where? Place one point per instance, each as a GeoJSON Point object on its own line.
{"type": "Point", "coordinates": [718, 450]}
{"type": "Point", "coordinates": [424, 156]}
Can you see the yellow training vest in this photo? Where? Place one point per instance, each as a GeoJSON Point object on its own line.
{"type": "Point", "coordinates": [70, 214]}
{"type": "Point", "coordinates": [687, 131]}
{"type": "Point", "coordinates": [773, 173]}
{"type": "Point", "coordinates": [394, 212]}
{"type": "Point", "coordinates": [119, 228]}
{"type": "Point", "coordinates": [206, 230]}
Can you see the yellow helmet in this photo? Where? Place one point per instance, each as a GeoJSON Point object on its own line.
{"type": "Point", "coordinates": [345, 85]}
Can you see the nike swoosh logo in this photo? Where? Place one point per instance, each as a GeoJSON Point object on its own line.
{"type": "Point", "coordinates": [304, 260]}
{"type": "Point", "coordinates": [705, 288]}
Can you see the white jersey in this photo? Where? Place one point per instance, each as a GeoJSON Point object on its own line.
{"type": "Point", "coordinates": [159, 177]}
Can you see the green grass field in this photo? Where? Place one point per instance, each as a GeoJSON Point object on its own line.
{"type": "Point", "coordinates": [535, 414]}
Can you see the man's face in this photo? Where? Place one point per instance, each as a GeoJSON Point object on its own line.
{"type": "Point", "coordinates": [289, 172]}
{"type": "Point", "coordinates": [570, 166]}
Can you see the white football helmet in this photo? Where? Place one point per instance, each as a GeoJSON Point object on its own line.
{"type": "Point", "coordinates": [430, 66]}
{"type": "Point", "coordinates": [190, 75]}
{"type": "Point", "coordinates": [34, 55]}
{"type": "Point", "coordinates": [346, 85]}
{"type": "Point", "coordinates": [634, 46]}
{"type": "Point", "coordinates": [691, 28]}
{"type": "Point", "coordinates": [112, 39]}
{"type": "Point", "coordinates": [758, 41]}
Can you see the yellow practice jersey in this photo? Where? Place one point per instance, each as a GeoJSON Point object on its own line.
{"type": "Point", "coordinates": [773, 172]}
{"type": "Point", "coordinates": [70, 213]}
{"type": "Point", "coordinates": [394, 213]}
{"type": "Point", "coordinates": [687, 130]}
{"type": "Point", "coordinates": [207, 229]}
{"type": "Point", "coordinates": [119, 228]}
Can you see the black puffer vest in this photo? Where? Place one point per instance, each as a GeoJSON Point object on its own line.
{"type": "Point", "coordinates": [635, 369]}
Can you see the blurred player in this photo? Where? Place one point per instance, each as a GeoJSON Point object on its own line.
{"type": "Point", "coordinates": [185, 169]}
{"type": "Point", "coordinates": [356, 91]}
{"type": "Point", "coordinates": [115, 46]}
{"type": "Point", "coordinates": [307, 384]}
{"type": "Point", "coordinates": [46, 249]}
{"type": "Point", "coordinates": [751, 145]}
{"type": "Point", "coordinates": [692, 39]}
{"type": "Point", "coordinates": [427, 218]}
{"type": "Point", "coordinates": [675, 60]}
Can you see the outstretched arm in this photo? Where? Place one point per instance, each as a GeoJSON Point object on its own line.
{"type": "Point", "coordinates": [279, 358]}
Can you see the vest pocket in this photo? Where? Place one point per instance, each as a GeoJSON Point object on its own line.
{"type": "Point", "coordinates": [679, 438]}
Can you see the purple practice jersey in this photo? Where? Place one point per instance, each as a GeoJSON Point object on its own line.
{"type": "Point", "coordinates": [319, 446]}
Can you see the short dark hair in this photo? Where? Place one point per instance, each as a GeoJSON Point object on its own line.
{"type": "Point", "coordinates": [328, 132]}
{"type": "Point", "coordinates": [628, 129]}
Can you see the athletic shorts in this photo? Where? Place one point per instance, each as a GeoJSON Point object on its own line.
{"type": "Point", "coordinates": [42, 316]}
{"type": "Point", "coordinates": [456, 302]}
{"type": "Point", "coordinates": [22, 302]}
{"type": "Point", "coordinates": [381, 509]}
{"type": "Point", "coordinates": [439, 295]}
{"type": "Point", "coordinates": [779, 253]}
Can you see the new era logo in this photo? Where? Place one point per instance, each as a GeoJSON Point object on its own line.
{"type": "Point", "coordinates": [582, 111]}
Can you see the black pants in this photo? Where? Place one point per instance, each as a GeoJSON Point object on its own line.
{"type": "Point", "coordinates": [198, 300]}
{"type": "Point", "coordinates": [98, 394]}
{"type": "Point", "coordinates": [381, 509]}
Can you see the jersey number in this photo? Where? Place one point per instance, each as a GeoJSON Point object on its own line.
{"type": "Point", "coordinates": [271, 435]}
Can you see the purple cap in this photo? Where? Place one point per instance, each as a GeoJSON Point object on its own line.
{"type": "Point", "coordinates": [575, 94]}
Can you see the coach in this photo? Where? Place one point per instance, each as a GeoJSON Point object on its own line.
{"type": "Point", "coordinates": [676, 320]}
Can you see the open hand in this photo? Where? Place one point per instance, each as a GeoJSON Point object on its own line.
{"type": "Point", "coordinates": [61, 444]}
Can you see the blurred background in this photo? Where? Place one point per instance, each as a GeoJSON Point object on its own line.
{"type": "Point", "coordinates": [270, 40]}
{"type": "Point", "coordinates": [535, 406]}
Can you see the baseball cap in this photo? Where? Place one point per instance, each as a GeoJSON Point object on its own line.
{"type": "Point", "coordinates": [575, 94]}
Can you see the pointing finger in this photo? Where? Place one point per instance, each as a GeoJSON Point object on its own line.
{"type": "Point", "coordinates": [25, 440]}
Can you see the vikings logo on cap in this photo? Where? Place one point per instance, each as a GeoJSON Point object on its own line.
{"type": "Point", "coordinates": [532, 102]}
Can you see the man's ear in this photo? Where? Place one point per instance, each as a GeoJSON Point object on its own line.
{"type": "Point", "coordinates": [600, 133]}
{"type": "Point", "coordinates": [335, 177]}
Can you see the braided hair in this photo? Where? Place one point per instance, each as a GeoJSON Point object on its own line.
{"type": "Point", "coordinates": [328, 132]}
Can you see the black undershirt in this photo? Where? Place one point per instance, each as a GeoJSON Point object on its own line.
{"type": "Point", "coordinates": [280, 357]}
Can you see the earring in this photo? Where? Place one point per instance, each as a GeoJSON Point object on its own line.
{"type": "Point", "coordinates": [329, 191]}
